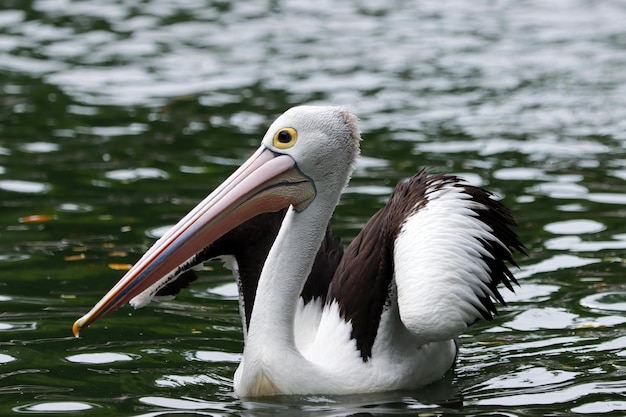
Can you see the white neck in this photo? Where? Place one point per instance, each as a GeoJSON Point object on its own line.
{"type": "Point", "coordinates": [284, 274]}
{"type": "Point", "coordinates": [270, 349]}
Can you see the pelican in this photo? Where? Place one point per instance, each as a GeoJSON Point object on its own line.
{"type": "Point", "coordinates": [386, 314]}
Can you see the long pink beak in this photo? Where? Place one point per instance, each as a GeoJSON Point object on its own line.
{"type": "Point", "coordinates": [266, 182]}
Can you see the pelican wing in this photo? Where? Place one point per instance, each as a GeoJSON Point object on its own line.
{"type": "Point", "coordinates": [362, 281]}
{"type": "Point", "coordinates": [450, 255]}
{"type": "Point", "coordinates": [442, 245]}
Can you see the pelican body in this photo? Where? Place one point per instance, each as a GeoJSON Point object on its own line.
{"type": "Point", "coordinates": [382, 316]}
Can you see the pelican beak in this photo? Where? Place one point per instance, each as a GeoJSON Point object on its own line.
{"type": "Point", "coordinates": [266, 182]}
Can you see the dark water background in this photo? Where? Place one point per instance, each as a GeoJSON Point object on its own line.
{"type": "Point", "coordinates": [116, 117]}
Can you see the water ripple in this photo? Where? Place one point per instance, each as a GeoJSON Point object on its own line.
{"type": "Point", "coordinates": [26, 187]}
{"type": "Point", "coordinates": [39, 147]}
{"type": "Point", "coordinates": [574, 227]}
{"type": "Point", "coordinates": [55, 407]}
{"type": "Point", "coordinates": [600, 407]}
{"type": "Point", "coordinates": [555, 263]}
{"type": "Point", "coordinates": [606, 301]}
{"type": "Point", "coordinates": [101, 358]}
{"type": "Point", "coordinates": [180, 404]}
{"type": "Point", "coordinates": [528, 378]}
{"type": "Point", "coordinates": [136, 174]}
{"type": "Point", "coordinates": [187, 57]}
{"type": "Point", "coordinates": [6, 358]}
{"type": "Point", "coordinates": [576, 244]}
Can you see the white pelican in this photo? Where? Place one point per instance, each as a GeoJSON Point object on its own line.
{"type": "Point", "coordinates": [424, 268]}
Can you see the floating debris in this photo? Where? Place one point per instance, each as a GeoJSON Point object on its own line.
{"type": "Point", "coordinates": [36, 218]}
{"type": "Point", "coordinates": [67, 296]}
{"type": "Point", "coordinates": [120, 267]}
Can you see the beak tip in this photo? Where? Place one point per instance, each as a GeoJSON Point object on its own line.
{"type": "Point", "coordinates": [76, 328]}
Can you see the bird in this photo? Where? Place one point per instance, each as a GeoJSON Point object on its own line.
{"type": "Point", "coordinates": [383, 314]}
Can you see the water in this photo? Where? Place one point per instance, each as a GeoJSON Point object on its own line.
{"type": "Point", "coordinates": [116, 117]}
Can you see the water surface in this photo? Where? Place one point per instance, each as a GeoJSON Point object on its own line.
{"type": "Point", "coordinates": [117, 117]}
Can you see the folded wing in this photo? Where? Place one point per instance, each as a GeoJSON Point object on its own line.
{"type": "Point", "coordinates": [439, 249]}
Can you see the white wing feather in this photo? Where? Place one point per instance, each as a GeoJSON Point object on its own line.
{"type": "Point", "coordinates": [439, 265]}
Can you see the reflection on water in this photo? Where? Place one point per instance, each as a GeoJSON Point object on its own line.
{"type": "Point", "coordinates": [28, 187]}
{"type": "Point", "coordinates": [6, 358]}
{"type": "Point", "coordinates": [117, 117]}
{"type": "Point", "coordinates": [54, 407]}
{"type": "Point", "coordinates": [100, 358]}
{"type": "Point", "coordinates": [609, 301]}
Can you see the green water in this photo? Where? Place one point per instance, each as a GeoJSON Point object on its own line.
{"type": "Point", "coordinates": [116, 119]}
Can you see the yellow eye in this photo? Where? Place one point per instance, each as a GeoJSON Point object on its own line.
{"type": "Point", "coordinates": [285, 138]}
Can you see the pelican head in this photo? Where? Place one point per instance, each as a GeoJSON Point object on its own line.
{"type": "Point", "coordinates": [302, 158]}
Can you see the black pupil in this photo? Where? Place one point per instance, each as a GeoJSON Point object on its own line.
{"type": "Point", "coordinates": [284, 137]}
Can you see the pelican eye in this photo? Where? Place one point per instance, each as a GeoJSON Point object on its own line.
{"type": "Point", "coordinates": [285, 138]}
